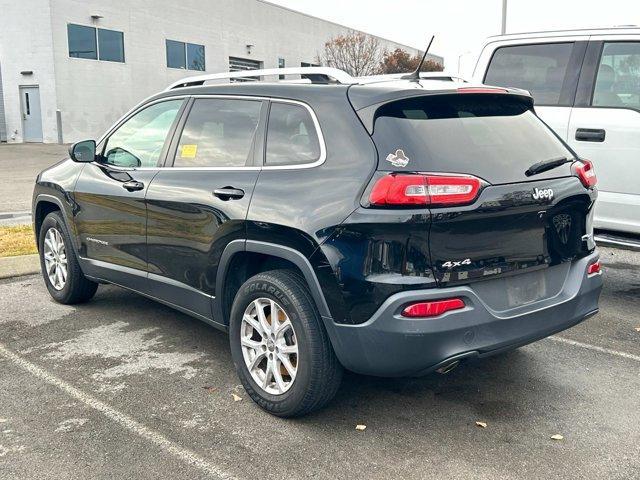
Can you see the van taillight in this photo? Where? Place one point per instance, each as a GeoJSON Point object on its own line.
{"type": "Point", "coordinates": [584, 170]}
{"type": "Point", "coordinates": [420, 189]}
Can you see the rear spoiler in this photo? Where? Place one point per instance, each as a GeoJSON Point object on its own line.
{"type": "Point", "coordinates": [368, 114]}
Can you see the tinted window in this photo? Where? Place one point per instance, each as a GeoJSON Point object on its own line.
{"type": "Point", "coordinates": [82, 41]}
{"type": "Point", "coordinates": [111, 45]}
{"type": "Point", "coordinates": [618, 80]}
{"type": "Point", "coordinates": [496, 137]}
{"type": "Point", "coordinates": [540, 69]}
{"type": "Point", "coordinates": [218, 133]}
{"type": "Point", "coordinates": [195, 57]}
{"type": "Point", "coordinates": [291, 136]}
{"type": "Point", "coordinates": [139, 141]}
{"type": "Point", "coordinates": [176, 56]}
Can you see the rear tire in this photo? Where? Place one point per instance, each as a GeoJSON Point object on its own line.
{"type": "Point", "coordinates": [270, 383]}
{"type": "Point", "coordinates": [62, 275]}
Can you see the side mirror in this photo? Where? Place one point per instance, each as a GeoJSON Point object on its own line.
{"type": "Point", "coordinates": [84, 151]}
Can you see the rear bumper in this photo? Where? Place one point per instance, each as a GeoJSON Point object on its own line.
{"type": "Point", "coordinates": [390, 345]}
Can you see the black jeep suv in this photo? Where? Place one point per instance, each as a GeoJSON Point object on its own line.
{"type": "Point", "coordinates": [388, 226]}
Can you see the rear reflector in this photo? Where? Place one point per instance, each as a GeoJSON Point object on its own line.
{"type": "Point", "coordinates": [594, 268]}
{"type": "Point", "coordinates": [418, 189]}
{"type": "Point", "coordinates": [432, 309]}
{"type": "Point", "coordinates": [584, 170]}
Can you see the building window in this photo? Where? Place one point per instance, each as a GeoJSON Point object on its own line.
{"type": "Point", "coordinates": [244, 64]}
{"type": "Point", "coordinates": [95, 43]}
{"type": "Point", "coordinates": [82, 41]}
{"type": "Point", "coordinates": [306, 64]}
{"type": "Point", "coordinates": [110, 45]}
{"type": "Point", "coordinates": [281, 64]}
{"type": "Point", "coordinates": [189, 56]}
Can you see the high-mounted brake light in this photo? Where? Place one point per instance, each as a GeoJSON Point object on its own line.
{"type": "Point", "coordinates": [420, 189]}
{"type": "Point", "coordinates": [482, 90]}
{"type": "Point", "coordinates": [584, 170]}
{"type": "Point", "coordinates": [432, 309]}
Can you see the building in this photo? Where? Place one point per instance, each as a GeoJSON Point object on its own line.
{"type": "Point", "coordinates": [70, 68]}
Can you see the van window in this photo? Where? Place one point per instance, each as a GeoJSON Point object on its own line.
{"type": "Point", "coordinates": [618, 80]}
{"type": "Point", "coordinates": [291, 136]}
{"type": "Point", "coordinates": [218, 133]}
{"type": "Point", "coordinates": [540, 69]}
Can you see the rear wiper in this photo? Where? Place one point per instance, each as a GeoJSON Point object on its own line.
{"type": "Point", "coordinates": [547, 165]}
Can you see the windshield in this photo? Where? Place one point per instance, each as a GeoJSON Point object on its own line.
{"type": "Point", "coordinates": [493, 136]}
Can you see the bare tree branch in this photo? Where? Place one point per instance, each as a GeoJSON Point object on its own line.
{"type": "Point", "coordinates": [355, 53]}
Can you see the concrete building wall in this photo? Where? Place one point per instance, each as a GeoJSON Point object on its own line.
{"type": "Point", "coordinates": [92, 94]}
{"type": "Point", "coordinates": [25, 45]}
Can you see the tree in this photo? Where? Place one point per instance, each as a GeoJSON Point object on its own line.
{"type": "Point", "coordinates": [355, 53]}
{"type": "Point", "coordinates": [400, 61]}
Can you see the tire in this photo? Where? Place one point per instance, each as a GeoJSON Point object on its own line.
{"type": "Point", "coordinates": [75, 288]}
{"type": "Point", "coordinates": [317, 371]}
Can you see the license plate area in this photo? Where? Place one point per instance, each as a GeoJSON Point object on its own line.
{"type": "Point", "coordinates": [525, 289]}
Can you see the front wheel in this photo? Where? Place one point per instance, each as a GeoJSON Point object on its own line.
{"type": "Point", "coordinates": [62, 275]}
{"type": "Point", "coordinates": [279, 346]}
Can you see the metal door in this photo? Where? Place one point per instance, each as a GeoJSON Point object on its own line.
{"type": "Point", "coordinates": [31, 114]}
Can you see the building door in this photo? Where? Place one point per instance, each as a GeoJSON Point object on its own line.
{"type": "Point", "coordinates": [31, 114]}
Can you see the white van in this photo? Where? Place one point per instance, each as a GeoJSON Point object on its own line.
{"type": "Point", "coordinates": [586, 86]}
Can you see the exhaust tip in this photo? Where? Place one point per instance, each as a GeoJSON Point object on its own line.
{"type": "Point", "coordinates": [448, 367]}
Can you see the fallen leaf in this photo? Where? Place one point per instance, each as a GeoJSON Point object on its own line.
{"type": "Point", "coordinates": [481, 424]}
{"type": "Point", "coordinates": [361, 427]}
{"type": "Point", "coordinates": [637, 329]}
{"type": "Point", "coordinates": [210, 389]}
{"type": "Point", "coordinates": [236, 398]}
{"type": "Point", "coordinates": [557, 436]}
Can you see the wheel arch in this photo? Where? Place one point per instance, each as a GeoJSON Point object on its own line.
{"type": "Point", "coordinates": [261, 254]}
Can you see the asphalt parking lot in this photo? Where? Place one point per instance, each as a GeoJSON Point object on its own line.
{"type": "Point", "coordinates": [123, 387]}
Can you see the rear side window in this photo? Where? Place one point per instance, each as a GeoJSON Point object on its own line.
{"type": "Point", "coordinates": [493, 136]}
{"type": "Point", "coordinates": [218, 133]}
{"type": "Point", "coordinates": [618, 80]}
{"type": "Point", "coordinates": [292, 138]}
{"type": "Point", "coordinates": [540, 69]}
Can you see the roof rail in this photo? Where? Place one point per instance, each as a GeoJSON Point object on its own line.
{"type": "Point", "coordinates": [339, 76]}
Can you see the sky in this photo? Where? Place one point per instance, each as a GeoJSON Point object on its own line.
{"type": "Point", "coordinates": [460, 26]}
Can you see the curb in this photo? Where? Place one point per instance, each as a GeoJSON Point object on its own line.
{"type": "Point", "coordinates": [19, 265]}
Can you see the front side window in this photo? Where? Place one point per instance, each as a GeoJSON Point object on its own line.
{"type": "Point", "coordinates": [95, 43]}
{"type": "Point", "coordinates": [618, 79]}
{"type": "Point", "coordinates": [539, 69]}
{"type": "Point", "coordinates": [183, 55]}
{"type": "Point", "coordinates": [292, 138]}
{"type": "Point", "coordinates": [218, 133]}
{"type": "Point", "coordinates": [139, 141]}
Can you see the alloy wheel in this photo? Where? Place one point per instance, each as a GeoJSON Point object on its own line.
{"type": "Point", "coordinates": [55, 258]}
{"type": "Point", "coordinates": [269, 346]}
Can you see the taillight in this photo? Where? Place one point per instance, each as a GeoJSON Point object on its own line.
{"type": "Point", "coordinates": [584, 170]}
{"type": "Point", "coordinates": [594, 268]}
{"type": "Point", "coordinates": [432, 309]}
{"type": "Point", "coordinates": [420, 189]}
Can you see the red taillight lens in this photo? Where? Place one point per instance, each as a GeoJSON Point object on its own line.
{"type": "Point", "coordinates": [594, 268]}
{"type": "Point", "coordinates": [584, 170]}
{"type": "Point", "coordinates": [418, 189]}
{"type": "Point", "coordinates": [432, 309]}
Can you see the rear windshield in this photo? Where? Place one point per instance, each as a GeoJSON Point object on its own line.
{"type": "Point", "coordinates": [493, 136]}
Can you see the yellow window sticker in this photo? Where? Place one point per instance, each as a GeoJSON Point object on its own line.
{"type": "Point", "coordinates": [188, 151]}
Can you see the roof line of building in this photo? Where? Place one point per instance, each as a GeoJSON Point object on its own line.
{"type": "Point", "coordinates": [344, 26]}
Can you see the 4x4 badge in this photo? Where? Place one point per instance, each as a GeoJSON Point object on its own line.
{"type": "Point", "coordinates": [398, 159]}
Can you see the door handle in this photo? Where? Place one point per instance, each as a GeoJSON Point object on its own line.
{"type": "Point", "coordinates": [590, 135]}
{"type": "Point", "coordinates": [133, 185]}
{"type": "Point", "coordinates": [228, 193]}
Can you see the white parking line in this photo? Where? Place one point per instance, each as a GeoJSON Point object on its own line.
{"type": "Point", "coordinates": [595, 348]}
{"type": "Point", "coordinates": [123, 419]}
